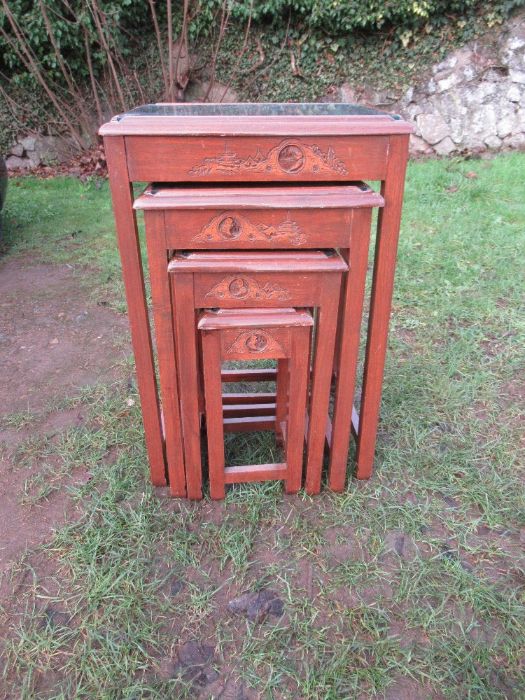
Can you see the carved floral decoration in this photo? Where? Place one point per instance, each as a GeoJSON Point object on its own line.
{"type": "Point", "coordinates": [232, 226]}
{"type": "Point", "coordinates": [237, 287]}
{"type": "Point", "coordinates": [255, 341]}
{"type": "Point", "coordinates": [290, 156]}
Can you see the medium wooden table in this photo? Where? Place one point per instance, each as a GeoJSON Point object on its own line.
{"type": "Point", "coordinates": [257, 143]}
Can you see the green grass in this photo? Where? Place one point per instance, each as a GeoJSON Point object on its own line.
{"type": "Point", "coordinates": [415, 576]}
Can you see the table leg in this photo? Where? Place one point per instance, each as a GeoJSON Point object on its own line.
{"type": "Point", "coordinates": [211, 354]}
{"type": "Point", "coordinates": [299, 371]}
{"type": "Point", "coordinates": [188, 367]}
{"type": "Point", "coordinates": [281, 398]}
{"type": "Point", "coordinates": [348, 351]}
{"type": "Point", "coordinates": [380, 303]}
{"type": "Point", "coordinates": [164, 319]}
{"type": "Point", "coordinates": [130, 255]}
{"type": "Point", "coordinates": [321, 380]}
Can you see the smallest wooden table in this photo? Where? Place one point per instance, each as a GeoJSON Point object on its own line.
{"type": "Point", "coordinates": [280, 334]}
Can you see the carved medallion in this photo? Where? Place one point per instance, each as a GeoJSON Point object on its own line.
{"type": "Point", "coordinates": [255, 341]}
{"type": "Point", "coordinates": [232, 226]}
{"type": "Point", "coordinates": [291, 159]}
{"type": "Point", "coordinates": [238, 287]}
{"type": "Point", "coordinates": [290, 156]}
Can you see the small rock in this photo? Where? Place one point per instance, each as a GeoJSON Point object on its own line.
{"type": "Point", "coordinates": [515, 141]}
{"type": "Point", "coordinates": [418, 146]}
{"type": "Point", "coordinates": [28, 143]}
{"type": "Point", "coordinates": [16, 163]}
{"type": "Point", "coordinates": [445, 147]}
{"type": "Point", "coordinates": [517, 76]}
{"type": "Point", "coordinates": [448, 82]}
{"type": "Point", "coordinates": [17, 150]}
{"type": "Point", "coordinates": [257, 605]}
{"type": "Point", "coordinates": [433, 127]}
{"type": "Point", "coordinates": [493, 141]}
{"type": "Point", "coordinates": [54, 341]}
{"type": "Point", "coordinates": [34, 159]}
{"type": "Point", "coordinates": [513, 93]}
{"type": "Point", "coordinates": [506, 125]}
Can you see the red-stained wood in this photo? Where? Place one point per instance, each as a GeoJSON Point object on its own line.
{"type": "Point", "coordinates": [308, 285]}
{"type": "Point", "coordinates": [249, 398]}
{"type": "Point", "coordinates": [264, 150]}
{"type": "Point", "coordinates": [248, 375]}
{"type": "Point", "coordinates": [321, 379]}
{"type": "Point", "coordinates": [257, 198]}
{"type": "Point", "coordinates": [297, 382]}
{"type": "Point", "coordinates": [255, 472]}
{"type": "Point", "coordinates": [296, 326]}
{"type": "Point", "coordinates": [381, 303]}
{"type": "Point", "coordinates": [130, 255]}
{"type": "Point", "coordinates": [258, 261]}
{"type": "Point", "coordinates": [163, 317]}
{"type": "Point", "coordinates": [256, 159]}
{"type": "Point", "coordinates": [256, 125]}
{"type": "Point", "coordinates": [243, 410]}
{"type": "Point", "coordinates": [188, 374]}
{"type": "Point", "coordinates": [350, 315]}
{"type": "Point", "coordinates": [249, 424]}
{"type": "Point", "coordinates": [211, 351]}
{"type": "Point", "coordinates": [282, 393]}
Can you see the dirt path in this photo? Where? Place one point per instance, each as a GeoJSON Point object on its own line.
{"type": "Point", "coordinates": [54, 340]}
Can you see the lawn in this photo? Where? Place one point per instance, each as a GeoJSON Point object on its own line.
{"type": "Point", "coordinates": [410, 585]}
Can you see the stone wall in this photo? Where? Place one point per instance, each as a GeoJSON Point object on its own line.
{"type": "Point", "coordinates": [31, 151]}
{"type": "Point", "coordinates": [473, 101]}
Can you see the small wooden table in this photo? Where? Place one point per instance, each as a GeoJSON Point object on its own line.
{"type": "Point", "coordinates": [257, 143]}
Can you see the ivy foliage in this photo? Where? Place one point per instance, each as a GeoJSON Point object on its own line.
{"type": "Point", "coordinates": [72, 23]}
{"type": "Point", "coordinates": [127, 24]}
{"type": "Point", "coordinates": [338, 17]}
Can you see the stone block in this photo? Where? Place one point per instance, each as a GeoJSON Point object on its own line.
{"type": "Point", "coordinates": [433, 127]}
{"type": "Point", "coordinates": [17, 163]}
{"type": "Point", "coordinates": [445, 147]}
{"type": "Point", "coordinates": [53, 149]}
{"type": "Point", "coordinates": [17, 150]}
{"type": "Point", "coordinates": [514, 93]}
{"type": "Point", "coordinates": [517, 76]}
{"type": "Point", "coordinates": [515, 141]}
{"type": "Point", "coordinates": [506, 125]}
{"type": "Point", "coordinates": [418, 147]}
{"type": "Point", "coordinates": [197, 91]}
{"type": "Point", "coordinates": [493, 141]}
{"type": "Point", "coordinates": [29, 143]}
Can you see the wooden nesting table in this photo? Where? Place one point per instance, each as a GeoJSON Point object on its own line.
{"type": "Point", "coordinates": [263, 145]}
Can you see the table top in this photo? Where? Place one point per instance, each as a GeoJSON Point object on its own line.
{"type": "Point", "coordinates": [163, 196]}
{"type": "Point", "coordinates": [305, 118]}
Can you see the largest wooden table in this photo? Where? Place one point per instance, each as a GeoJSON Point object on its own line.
{"type": "Point", "coordinates": [255, 143]}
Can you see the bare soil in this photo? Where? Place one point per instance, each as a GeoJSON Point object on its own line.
{"type": "Point", "coordinates": [54, 340]}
